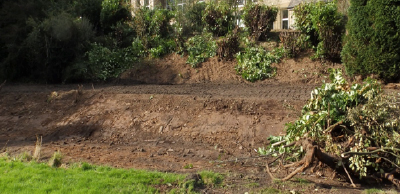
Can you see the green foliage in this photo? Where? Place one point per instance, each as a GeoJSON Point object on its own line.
{"type": "Point", "coordinates": [330, 103]}
{"type": "Point", "coordinates": [46, 38]}
{"type": "Point", "coordinates": [324, 27]}
{"type": "Point", "coordinates": [189, 18]}
{"type": "Point", "coordinates": [91, 10]}
{"type": "Point", "coordinates": [104, 63]}
{"type": "Point", "coordinates": [372, 45]}
{"type": "Point", "coordinates": [54, 44]}
{"type": "Point", "coordinates": [359, 123]}
{"type": "Point", "coordinates": [218, 18]}
{"type": "Point", "coordinates": [113, 11]}
{"type": "Point", "coordinates": [259, 19]}
{"type": "Point", "coordinates": [254, 63]}
{"type": "Point", "coordinates": [162, 47]}
{"type": "Point", "coordinates": [154, 30]}
{"type": "Point", "coordinates": [375, 125]}
{"type": "Point", "coordinates": [199, 48]}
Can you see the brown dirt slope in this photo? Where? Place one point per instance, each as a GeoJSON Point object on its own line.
{"type": "Point", "coordinates": [165, 116]}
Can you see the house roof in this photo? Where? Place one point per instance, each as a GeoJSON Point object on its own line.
{"type": "Point", "coordinates": [294, 3]}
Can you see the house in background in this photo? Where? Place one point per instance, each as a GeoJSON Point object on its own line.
{"type": "Point", "coordinates": [284, 19]}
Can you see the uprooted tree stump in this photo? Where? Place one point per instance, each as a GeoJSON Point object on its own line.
{"type": "Point", "coordinates": [313, 153]}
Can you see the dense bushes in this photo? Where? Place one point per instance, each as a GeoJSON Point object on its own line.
{"type": "Point", "coordinates": [324, 27]}
{"type": "Point", "coordinates": [373, 42]}
{"type": "Point", "coordinates": [48, 48]}
{"type": "Point", "coordinates": [189, 19]}
{"type": "Point", "coordinates": [254, 63]}
{"type": "Point", "coordinates": [218, 18]}
{"type": "Point", "coordinates": [258, 20]}
{"type": "Point", "coordinates": [103, 63]}
{"type": "Point", "coordinates": [52, 38]}
{"type": "Point", "coordinates": [113, 11]}
{"type": "Point", "coordinates": [229, 45]}
{"type": "Point", "coordinates": [199, 48]}
{"type": "Point", "coordinates": [154, 30]}
{"type": "Point", "coordinates": [53, 41]}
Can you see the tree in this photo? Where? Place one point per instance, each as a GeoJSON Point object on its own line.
{"type": "Point", "coordinates": [372, 45]}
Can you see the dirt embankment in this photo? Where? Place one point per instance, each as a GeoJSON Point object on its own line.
{"type": "Point", "coordinates": [164, 117]}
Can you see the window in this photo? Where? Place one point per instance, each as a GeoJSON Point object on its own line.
{"type": "Point", "coordinates": [285, 19]}
{"type": "Point", "coordinates": [170, 4]}
{"type": "Point", "coordinates": [147, 3]}
{"type": "Point", "coordinates": [240, 3]}
{"type": "Point", "coordinates": [239, 20]}
{"type": "Point", "coordinates": [181, 4]}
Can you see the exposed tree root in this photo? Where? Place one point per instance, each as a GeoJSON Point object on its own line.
{"type": "Point", "coordinates": [312, 152]}
{"type": "Point", "coordinates": [390, 177]}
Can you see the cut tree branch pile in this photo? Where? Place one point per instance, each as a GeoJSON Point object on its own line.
{"type": "Point", "coordinates": [363, 142]}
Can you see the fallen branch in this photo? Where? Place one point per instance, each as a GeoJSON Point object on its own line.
{"type": "Point", "coordinates": [348, 154]}
{"type": "Point", "coordinates": [278, 143]}
{"type": "Point", "coordinates": [348, 175]}
{"type": "Point", "coordinates": [329, 129]}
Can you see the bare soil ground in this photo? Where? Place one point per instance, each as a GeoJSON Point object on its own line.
{"type": "Point", "coordinates": [170, 117]}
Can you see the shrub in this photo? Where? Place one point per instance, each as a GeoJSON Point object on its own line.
{"type": "Point", "coordinates": [199, 48]}
{"type": "Point", "coordinates": [218, 18]}
{"type": "Point", "coordinates": [113, 11]}
{"type": "Point", "coordinates": [189, 19]}
{"type": "Point", "coordinates": [14, 64]}
{"type": "Point", "coordinates": [154, 30]}
{"type": "Point", "coordinates": [259, 20]}
{"type": "Point", "coordinates": [255, 63]}
{"type": "Point", "coordinates": [372, 45]}
{"type": "Point", "coordinates": [164, 46]}
{"type": "Point", "coordinates": [229, 46]}
{"type": "Point", "coordinates": [104, 63]}
{"type": "Point", "coordinates": [324, 27]}
{"type": "Point", "coordinates": [293, 42]}
{"type": "Point", "coordinates": [91, 10]}
{"type": "Point", "coordinates": [54, 44]}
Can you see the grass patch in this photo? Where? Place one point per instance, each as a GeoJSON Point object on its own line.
{"type": "Point", "coordinates": [302, 181]}
{"type": "Point", "coordinates": [378, 191]}
{"type": "Point", "coordinates": [271, 190]}
{"type": "Point", "coordinates": [211, 179]}
{"type": "Point", "coordinates": [252, 185]}
{"type": "Point", "coordinates": [33, 177]}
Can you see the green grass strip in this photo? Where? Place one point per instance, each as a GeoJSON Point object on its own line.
{"type": "Point", "coordinates": [32, 177]}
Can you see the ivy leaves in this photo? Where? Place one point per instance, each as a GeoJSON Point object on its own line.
{"type": "Point", "coordinates": [255, 63]}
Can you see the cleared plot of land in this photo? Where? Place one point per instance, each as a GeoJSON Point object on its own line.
{"type": "Point", "coordinates": [197, 123]}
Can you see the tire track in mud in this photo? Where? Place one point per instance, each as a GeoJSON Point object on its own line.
{"type": "Point", "coordinates": [250, 91]}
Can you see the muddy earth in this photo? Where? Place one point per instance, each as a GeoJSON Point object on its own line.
{"type": "Point", "coordinates": [169, 117]}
